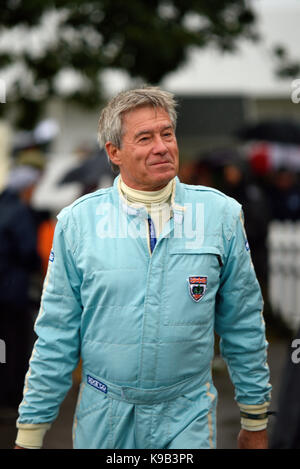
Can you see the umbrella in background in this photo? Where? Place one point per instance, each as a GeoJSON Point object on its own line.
{"type": "Point", "coordinates": [285, 131]}
{"type": "Point", "coordinates": [41, 136]}
{"type": "Point", "coordinates": [272, 145]}
{"type": "Point", "coordinates": [220, 157]}
{"type": "Point", "coordinates": [45, 131]}
{"type": "Point", "coordinates": [90, 171]}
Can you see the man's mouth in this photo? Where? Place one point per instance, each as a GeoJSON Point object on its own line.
{"type": "Point", "coordinates": [158, 163]}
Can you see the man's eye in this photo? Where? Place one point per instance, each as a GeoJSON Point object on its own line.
{"type": "Point", "coordinates": [144, 139]}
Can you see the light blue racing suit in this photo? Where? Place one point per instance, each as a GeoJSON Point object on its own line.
{"type": "Point", "coordinates": [144, 323]}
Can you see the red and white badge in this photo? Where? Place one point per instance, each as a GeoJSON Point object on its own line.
{"type": "Point", "coordinates": [197, 286]}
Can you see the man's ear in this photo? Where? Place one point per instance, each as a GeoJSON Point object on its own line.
{"type": "Point", "coordinates": [113, 153]}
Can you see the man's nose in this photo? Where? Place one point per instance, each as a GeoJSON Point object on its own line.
{"type": "Point", "coordinates": [159, 145]}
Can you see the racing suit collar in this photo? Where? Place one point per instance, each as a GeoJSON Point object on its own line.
{"type": "Point", "coordinates": [177, 208]}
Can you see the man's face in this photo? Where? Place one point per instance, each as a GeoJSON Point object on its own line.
{"type": "Point", "coordinates": [148, 157]}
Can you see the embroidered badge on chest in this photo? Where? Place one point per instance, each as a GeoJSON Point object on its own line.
{"type": "Point", "coordinates": [197, 287]}
{"type": "Point", "coordinates": [97, 384]}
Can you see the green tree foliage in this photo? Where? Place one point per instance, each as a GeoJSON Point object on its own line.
{"type": "Point", "coordinates": [44, 40]}
{"type": "Point", "coordinates": [286, 67]}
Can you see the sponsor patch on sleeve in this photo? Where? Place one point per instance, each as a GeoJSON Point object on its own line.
{"type": "Point", "coordinates": [51, 257]}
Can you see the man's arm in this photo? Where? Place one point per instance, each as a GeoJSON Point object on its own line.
{"type": "Point", "coordinates": [243, 345]}
{"type": "Point", "coordinates": [57, 350]}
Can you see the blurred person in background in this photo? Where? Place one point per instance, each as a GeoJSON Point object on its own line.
{"type": "Point", "coordinates": [284, 195]}
{"type": "Point", "coordinates": [237, 182]}
{"type": "Point", "coordinates": [18, 261]}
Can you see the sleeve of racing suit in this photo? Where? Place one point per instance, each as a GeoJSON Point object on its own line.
{"type": "Point", "coordinates": [57, 349]}
{"type": "Point", "coordinates": [240, 324]}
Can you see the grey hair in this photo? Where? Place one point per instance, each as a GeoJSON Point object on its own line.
{"type": "Point", "coordinates": [110, 128]}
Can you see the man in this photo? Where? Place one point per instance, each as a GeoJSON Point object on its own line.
{"type": "Point", "coordinates": [19, 260]}
{"type": "Point", "coordinates": [140, 275]}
